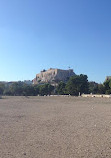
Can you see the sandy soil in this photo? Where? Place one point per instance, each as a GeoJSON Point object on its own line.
{"type": "Point", "coordinates": [55, 127]}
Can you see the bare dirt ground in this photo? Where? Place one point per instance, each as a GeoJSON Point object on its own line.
{"type": "Point", "coordinates": [55, 127]}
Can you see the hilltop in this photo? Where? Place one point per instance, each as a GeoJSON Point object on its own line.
{"type": "Point", "coordinates": [53, 76]}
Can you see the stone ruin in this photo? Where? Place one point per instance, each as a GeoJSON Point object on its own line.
{"type": "Point", "coordinates": [53, 76]}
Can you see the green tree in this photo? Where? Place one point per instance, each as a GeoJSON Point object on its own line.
{"type": "Point", "coordinates": [61, 88]}
{"type": "Point", "coordinates": [110, 84]}
{"type": "Point", "coordinates": [76, 84]}
{"type": "Point", "coordinates": [28, 90]}
{"type": "Point", "coordinates": [36, 90]}
{"type": "Point", "coordinates": [45, 89]}
{"type": "Point", "coordinates": [101, 89]}
{"type": "Point", "coordinates": [50, 89]}
{"type": "Point", "coordinates": [93, 87]}
{"type": "Point", "coordinates": [16, 88]}
{"type": "Point", "coordinates": [2, 88]}
{"type": "Point", "coordinates": [107, 85]}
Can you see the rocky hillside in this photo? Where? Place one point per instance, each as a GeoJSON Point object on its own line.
{"type": "Point", "coordinates": [53, 76]}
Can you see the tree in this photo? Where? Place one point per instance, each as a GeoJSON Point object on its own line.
{"type": "Point", "coordinates": [2, 87]}
{"type": "Point", "coordinates": [110, 84]}
{"type": "Point", "coordinates": [107, 85]}
{"type": "Point", "coordinates": [93, 87]}
{"type": "Point", "coordinates": [45, 89]}
{"type": "Point", "coordinates": [16, 88]}
{"type": "Point", "coordinates": [7, 92]}
{"type": "Point", "coordinates": [28, 90]}
{"type": "Point", "coordinates": [50, 89]}
{"type": "Point", "coordinates": [101, 89]}
{"type": "Point", "coordinates": [61, 88]}
{"type": "Point", "coordinates": [76, 84]}
{"type": "Point", "coordinates": [36, 90]}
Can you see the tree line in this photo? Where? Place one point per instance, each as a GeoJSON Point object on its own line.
{"type": "Point", "coordinates": [22, 89]}
{"type": "Point", "coordinates": [76, 85]}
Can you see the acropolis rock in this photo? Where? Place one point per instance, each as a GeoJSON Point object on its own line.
{"type": "Point", "coordinates": [53, 76]}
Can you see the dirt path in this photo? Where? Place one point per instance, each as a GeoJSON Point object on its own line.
{"type": "Point", "coordinates": [55, 127]}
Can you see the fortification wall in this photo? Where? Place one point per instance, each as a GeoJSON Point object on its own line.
{"type": "Point", "coordinates": [64, 74]}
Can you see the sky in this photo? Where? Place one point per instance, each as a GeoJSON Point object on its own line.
{"type": "Point", "coordinates": [43, 34]}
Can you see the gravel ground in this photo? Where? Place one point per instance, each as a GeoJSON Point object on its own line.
{"type": "Point", "coordinates": [55, 127]}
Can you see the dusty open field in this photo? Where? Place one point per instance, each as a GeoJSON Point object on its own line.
{"type": "Point", "coordinates": [55, 127]}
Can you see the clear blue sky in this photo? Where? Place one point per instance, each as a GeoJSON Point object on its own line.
{"type": "Point", "coordinates": [39, 34]}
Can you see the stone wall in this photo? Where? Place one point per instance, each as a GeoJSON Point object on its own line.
{"type": "Point", "coordinates": [96, 95]}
